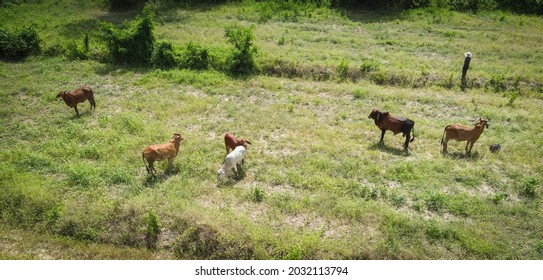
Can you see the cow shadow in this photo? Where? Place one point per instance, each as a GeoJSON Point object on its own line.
{"type": "Point", "coordinates": [462, 156]}
{"type": "Point", "coordinates": [153, 179]}
{"type": "Point", "coordinates": [391, 150]}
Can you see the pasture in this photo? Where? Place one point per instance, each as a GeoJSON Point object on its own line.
{"type": "Point", "coordinates": [316, 183]}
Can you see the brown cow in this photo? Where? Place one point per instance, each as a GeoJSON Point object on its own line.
{"type": "Point", "coordinates": [160, 152]}
{"type": "Point", "coordinates": [463, 133]}
{"type": "Point", "coordinates": [385, 122]}
{"type": "Point", "coordinates": [231, 142]}
{"type": "Point", "coordinates": [77, 96]}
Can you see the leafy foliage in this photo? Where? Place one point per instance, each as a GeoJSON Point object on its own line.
{"type": "Point", "coordinates": [134, 43]}
{"type": "Point", "coordinates": [18, 44]}
{"type": "Point", "coordinates": [195, 57]}
{"type": "Point", "coordinates": [243, 57]}
{"type": "Point", "coordinates": [163, 56]}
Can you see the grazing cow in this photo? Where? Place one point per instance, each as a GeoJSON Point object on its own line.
{"type": "Point", "coordinates": [231, 142]}
{"type": "Point", "coordinates": [385, 122]}
{"type": "Point", "coordinates": [463, 133]}
{"type": "Point", "coordinates": [160, 152]}
{"type": "Point", "coordinates": [77, 96]}
{"type": "Point", "coordinates": [231, 161]}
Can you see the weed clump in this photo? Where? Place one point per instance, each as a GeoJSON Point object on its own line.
{"type": "Point", "coordinates": [258, 194]}
{"type": "Point", "coordinates": [529, 187]}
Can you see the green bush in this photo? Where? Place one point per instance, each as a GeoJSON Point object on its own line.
{"type": "Point", "coordinates": [163, 56]}
{"type": "Point", "coordinates": [242, 60]}
{"type": "Point", "coordinates": [75, 51]}
{"type": "Point", "coordinates": [153, 229]}
{"type": "Point", "coordinates": [134, 43]}
{"type": "Point", "coordinates": [18, 44]}
{"type": "Point", "coordinates": [195, 57]}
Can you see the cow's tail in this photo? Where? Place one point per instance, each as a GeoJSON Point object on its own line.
{"type": "Point", "coordinates": [443, 137]}
{"type": "Point", "coordinates": [145, 162]}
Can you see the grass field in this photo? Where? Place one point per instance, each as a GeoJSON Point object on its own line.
{"type": "Point", "coordinates": [316, 184]}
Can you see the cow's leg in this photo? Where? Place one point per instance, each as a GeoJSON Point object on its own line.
{"type": "Point", "coordinates": [445, 145]}
{"type": "Point", "coordinates": [93, 104]}
{"type": "Point", "coordinates": [170, 162]}
{"type": "Point", "coordinates": [406, 144]}
{"type": "Point", "coordinates": [382, 135]}
{"type": "Point", "coordinates": [76, 112]}
{"type": "Point", "coordinates": [151, 167]}
{"type": "Point", "coordinates": [236, 169]}
{"type": "Point", "coordinates": [467, 145]}
{"type": "Point", "coordinates": [471, 146]}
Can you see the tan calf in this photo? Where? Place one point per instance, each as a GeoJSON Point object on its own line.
{"type": "Point", "coordinates": [160, 152]}
{"type": "Point", "coordinates": [463, 133]}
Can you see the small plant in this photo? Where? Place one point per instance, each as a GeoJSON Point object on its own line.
{"type": "Point", "coordinates": [359, 93]}
{"type": "Point", "coordinates": [529, 187]}
{"type": "Point", "coordinates": [281, 40]}
{"type": "Point", "coordinates": [369, 66]}
{"type": "Point", "coordinates": [497, 198]}
{"type": "Point", "coordinates": [497, 83]}
{"type": "Point", "coordinates": [258, 194]}
{"type": "Point", "coordinates": [435, 202]}
{"type": "Point", "coordinates": [153, 229]}
{"type": "Point", "coordinates": [511, 97]}
{"type": "Point", "coordinates": [342, 70]}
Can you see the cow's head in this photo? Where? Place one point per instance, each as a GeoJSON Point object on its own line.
{"type": "Point", "coordinates": [377, 115]}
{"type": "Point", "coordinates": [61, 94]}
{"type": "Point", "coordinates": [483, 122]}
{"type": "Point", "coordinates": [243, 142]}
{"type": "Point", "coordinates": [177, 137]}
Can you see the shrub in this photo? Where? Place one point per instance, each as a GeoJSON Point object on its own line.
{"type": "Point", "coordinates": [134, 43]}
{"type": "Point", "coordinates": [195, 57]}
{"type": "Point", "coordinates": [242, 60]}
{"type": "Point", "coordinates": [15, 45]}
{"type": "Point", "coordinates": [163, 56]}
{"type": "Point", "coordinates": [153, 229]}
{"type": "Point", "coordinates": [75, 51]}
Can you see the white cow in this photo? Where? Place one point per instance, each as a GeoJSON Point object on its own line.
{"type": "Point", "coordinates": [231, 161]}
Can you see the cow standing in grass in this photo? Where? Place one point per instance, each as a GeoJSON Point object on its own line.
{"type": "Point", "coordinates": [231, 142]}
{"type": "Point", "coordinates": [385, 122]}
{"type": "Point", "coordinates": [463, 133]}
{"type": "Point", "coordinates": [72, 98]}
{"type": "Point", "coordinates": [160, 152]}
